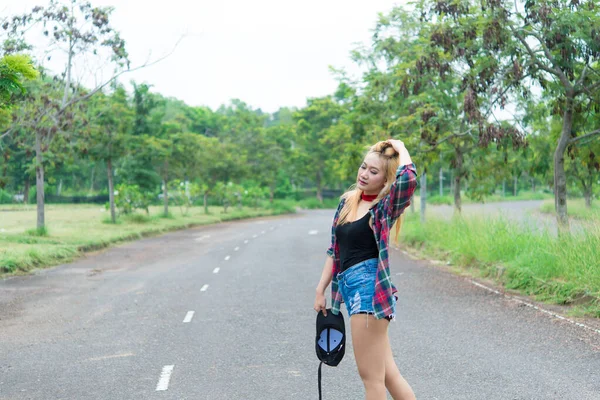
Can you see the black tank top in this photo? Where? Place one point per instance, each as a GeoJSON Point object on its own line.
{"type": "Point", "coordinates": [357, 242]}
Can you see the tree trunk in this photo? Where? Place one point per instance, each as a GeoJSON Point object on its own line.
{"type": "Point", "coordinates": [68, 74]}
{"type": "Point", "coordinates": [39, 181]}
{"type": "Point", "coordinates": [504, 187]}
{"type": "Point", "coordinates": [515, 183]}
{"type": "Point", "coordinates": [412, 206]}
{"type": "Point", "coordinates": [26, 189]}
{"type": "Point", "coordinates": [423, 191]}
{"type": "Point", "coordinates": [319, 188]}
{"type": "Point", "coordinates": [560, 178]}
{"type": "Point", "coordinates": [165, 198]}
{"type": "Point", "coordinates": [165, 189]}
{"type": "Point", "coordinates": [111, 191]}
{"type": "Point", "coordinates": [59, 188]}
{"type": "Point", "coordinates": [588, 195]}
{"type": "Point", "coordinates": [441, 182]}
{"type": "Point", "coordinates": [92, 185]}
{"type": "Point", "coordinates": [533, 185]}
{"type": "Point", "coordinates": [205, 203]}
{"type": "Point", "coordinates": [457, 178]}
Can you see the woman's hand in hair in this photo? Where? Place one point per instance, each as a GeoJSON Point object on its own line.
{"type": "Point", "coordinates": [398, 145]}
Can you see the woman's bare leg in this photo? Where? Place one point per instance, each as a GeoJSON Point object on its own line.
{"type": "Point", "coordinates": [370, 352]}
{"type": "Point", "coordinates": [394, 381]}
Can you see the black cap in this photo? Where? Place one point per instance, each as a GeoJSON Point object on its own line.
{"type": "Point", "coordinates": [330, 342]}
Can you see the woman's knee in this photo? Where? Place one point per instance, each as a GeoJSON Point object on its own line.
{"type": "Point", "coordinates": [374, 382]}
{"type": "Point", "coordinates": [391, 369]}
{"type": "Point", "coordinates": [369, 349]}
{"type": "Point", "coordinates": [369, 372]}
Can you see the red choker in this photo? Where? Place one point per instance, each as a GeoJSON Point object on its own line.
{"type": "Point", "coordinates": [368, 197]}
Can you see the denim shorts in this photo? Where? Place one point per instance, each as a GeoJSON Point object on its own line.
{"type": "Point", "coordinates": [357, 285]}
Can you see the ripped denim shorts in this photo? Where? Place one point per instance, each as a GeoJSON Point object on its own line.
{"type": "Point", "coordinates": [357, 285]}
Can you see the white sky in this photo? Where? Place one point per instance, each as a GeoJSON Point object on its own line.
{"type": "Point", "coordinates": [268, 53]}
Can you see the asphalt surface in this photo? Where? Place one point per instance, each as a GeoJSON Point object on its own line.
{"type": "Point", "coordinates": [105, 327]}
{"type": "Point", "coordinates": [524, 212]}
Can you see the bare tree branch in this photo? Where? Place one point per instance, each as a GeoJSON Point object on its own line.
{"type": "Point", "coordinates": [108, 82]}
{"type": "Point", "coordinates": [7, 133]}
{"type": "Point", "coordinates": [586, 136]}
{"type": "Point", "coordinates": [582, 77]}
{"type": "Point", "coordinates": [97, 89]}
{"type": "Point", "coordinates": [468, 132]}
{"type": "Point", "coordinates": [554, 71]}
{"type": "Point", "coordinates": [590, 90]}
{"type": "Point", "coordinates": [593, 70]}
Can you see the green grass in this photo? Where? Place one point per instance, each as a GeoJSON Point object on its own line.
{"type": "Point", "coordinates": [72, 229]}
{"type": "Point", "coordinates": [315, 204]}
{"type": "Point", "coordinates": [560, 270]}
{"type": "Point", "coordinates": [448, 199]}
{"type": "Point", "coordinates": [575, 208]}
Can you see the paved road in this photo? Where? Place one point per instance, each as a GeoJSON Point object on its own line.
{"type": "Point", "coordinates": [110, 325]}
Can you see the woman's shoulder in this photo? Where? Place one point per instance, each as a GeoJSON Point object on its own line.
{"type": "Point", "coordinates": [343, 199]}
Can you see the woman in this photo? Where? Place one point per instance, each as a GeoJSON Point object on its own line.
{"type": "Point", "coordinates": [357, 263]}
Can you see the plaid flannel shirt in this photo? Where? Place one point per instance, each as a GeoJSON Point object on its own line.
{"type": "Point", "coordinates": [383, 215]}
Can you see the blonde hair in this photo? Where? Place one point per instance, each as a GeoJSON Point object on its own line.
{"type": "Point", "coordinates": [390, 162]}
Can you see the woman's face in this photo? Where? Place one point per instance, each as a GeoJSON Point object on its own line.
{"type": "Point", "coordinates": [370, 178]}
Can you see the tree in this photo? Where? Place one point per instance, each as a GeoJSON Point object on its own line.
{"type": "Point", "coordinates": [417, 90]}
{"type": "Point", "coordinates": [508, 46]}
{"type": "Point", "coordinates": [83, 29]}
{"type": "Point", "coordinates": [313, 122]}
{"type": "Point", "coordinates": [13, 70]}
{"type": "Point", "coordinates": [160, 152]}
{"type": "Point", "coordinates": [112, 122]}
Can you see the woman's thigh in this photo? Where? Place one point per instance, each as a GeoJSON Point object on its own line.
{"type": "Point", "coordinates": [370, 342]}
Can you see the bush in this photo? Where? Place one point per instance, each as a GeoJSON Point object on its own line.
{"type": "Point", "coordinates": [129, 198]}
{"type": "Point", "coordinates": [253, 195]}
{"type": "Point", "coordinates": [312, 204]}
{"type": "Point", "coordinates": [283, 206]}
{"type": "Point", "coordinates": [137, 218]}
{"type": "Point", "coordinates": [5, 197]}
{"type": "Point", "coordinates": [184, 194]}
{"type": "Point", "coordinates": [438, 200]}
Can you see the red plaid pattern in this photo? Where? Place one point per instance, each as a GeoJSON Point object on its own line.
{"type": "Point", "coordinates": [383, 215]}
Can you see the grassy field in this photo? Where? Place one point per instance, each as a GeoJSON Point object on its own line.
{"type": "Point", "coordinates": [523, 195]}
{"type": "Point", "coordinates": [560, 270]}
{"type": "Point", "coordinates": [76, 228]}
{"type": "Point", "coordinates": [575, 208]}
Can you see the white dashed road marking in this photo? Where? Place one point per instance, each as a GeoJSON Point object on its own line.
{"type": "Point", "coordinates": [236, 249]}
{"type": "Point", "coordinates": [201, 238]}
{"type": "Point", "coordinates": [204, 288]}
{"type": "Point", "coordinates": [254, 236]}
{"type": "Point", "coordinates": [111, 356]}
{"type": "Point", "coordinates": [165, 376]}
{"type": "Point", "coordinates": [313, 232]}
{"type": "Point", "coordinates": [216, 270]}
{"type": "Point", "coordinates": [227, 258]}
{"type": "Point", "coordinates": [245, 241]}
{"type": "Point", "coordinates": [188, 317]}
